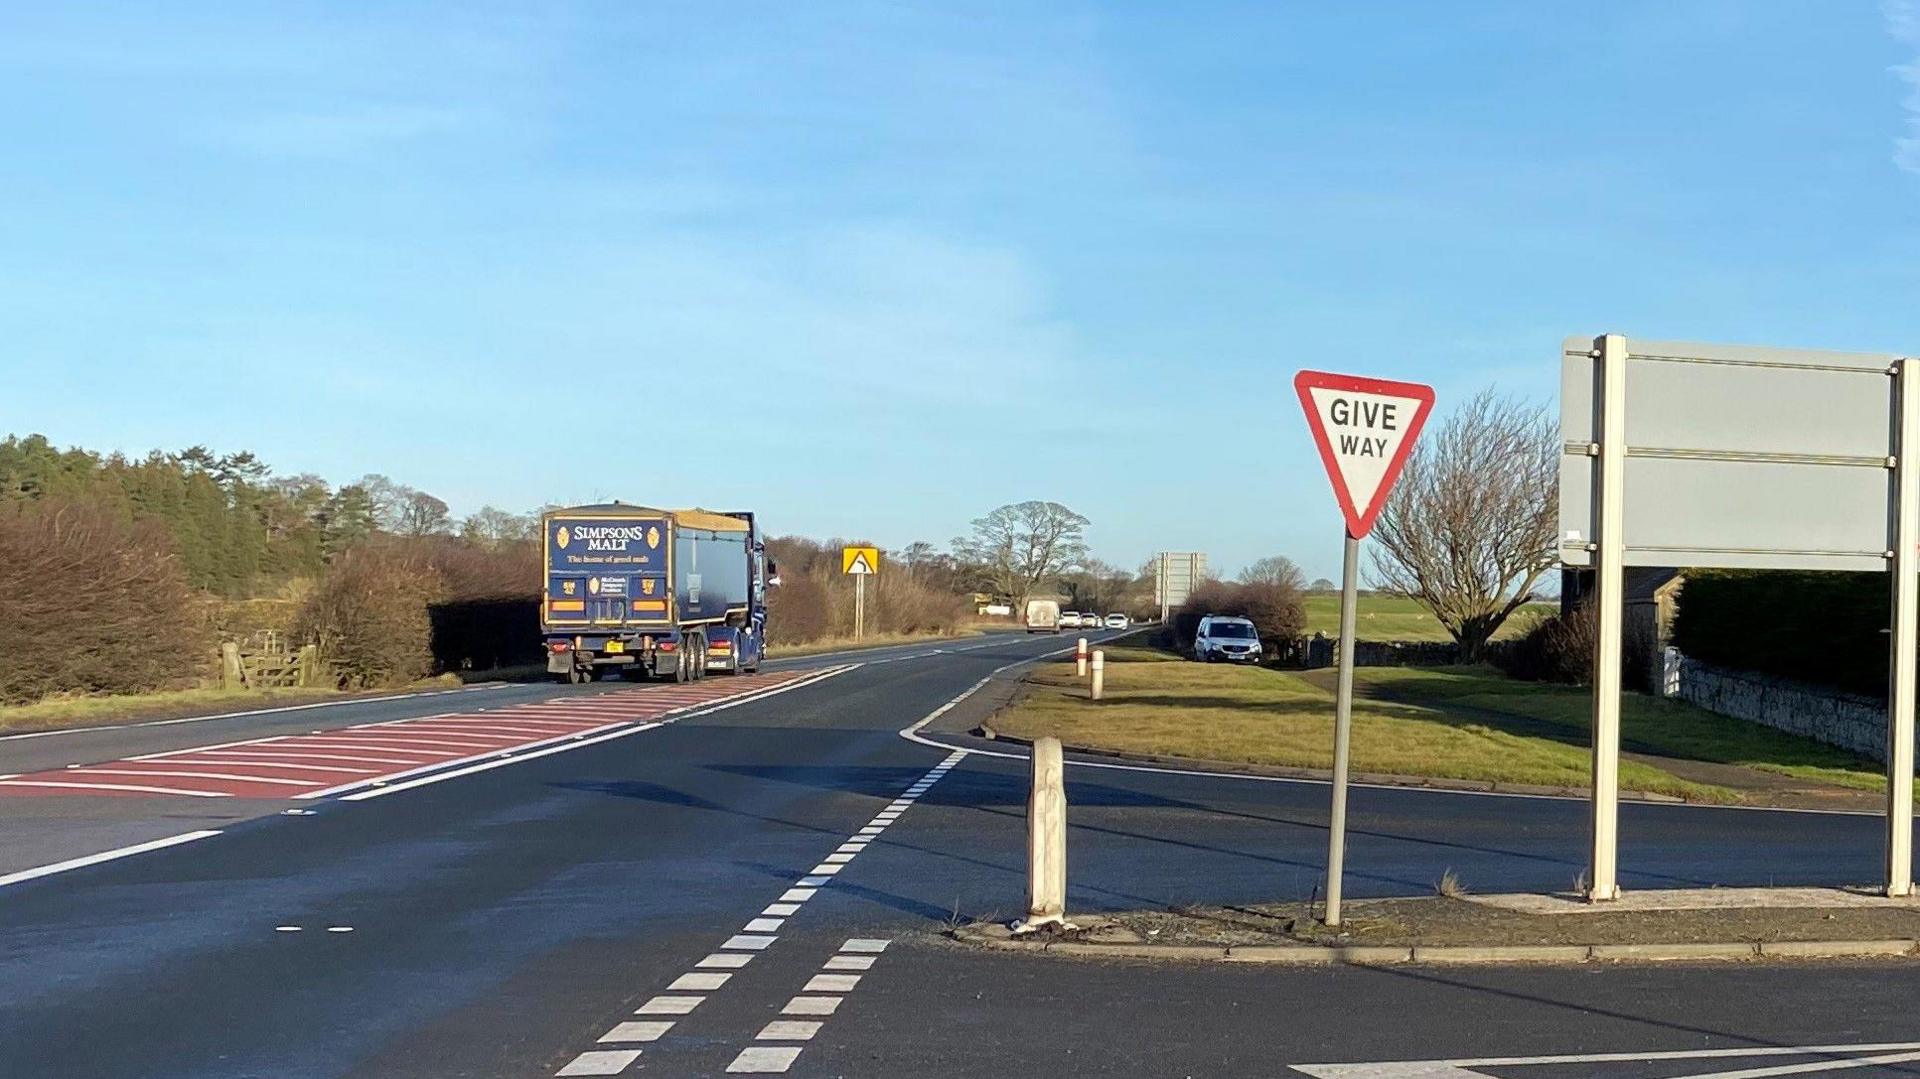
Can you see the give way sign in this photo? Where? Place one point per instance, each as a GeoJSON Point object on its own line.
{"type": "Point", "coordinates": [1364, 427]}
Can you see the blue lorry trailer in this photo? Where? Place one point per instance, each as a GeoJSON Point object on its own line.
{"type": "Point", "coordinates": [669, 594]}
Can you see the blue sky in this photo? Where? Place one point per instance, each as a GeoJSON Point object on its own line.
{"type": "Point", "coordinates": [875, 268]}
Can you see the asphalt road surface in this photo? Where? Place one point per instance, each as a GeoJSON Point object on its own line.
{"type": "Point", "coordinates": [749, 877]}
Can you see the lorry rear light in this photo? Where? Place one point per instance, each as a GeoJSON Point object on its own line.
{"type": "Point", "coordinates": [666, 646]}
{"type": "Point", "coordinates": [557, 647]}
{"type": "Point", "coordinates": [719, 646]}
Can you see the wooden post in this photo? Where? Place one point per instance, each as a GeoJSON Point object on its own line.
{"type": "Point", "coordinates": [232, 676]}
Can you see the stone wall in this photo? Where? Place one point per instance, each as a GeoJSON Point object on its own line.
{"type": "Point", "coordinates": [1824, 715]}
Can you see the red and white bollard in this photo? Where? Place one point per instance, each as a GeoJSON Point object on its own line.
{"type": "Point", "coordinates": [1080, 658]}
{"type": "Point", "coordinates": [1099, 676]}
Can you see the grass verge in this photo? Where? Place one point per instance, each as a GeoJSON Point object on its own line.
{"type": "Point", "coordinates": [1160, 705]}
{"type": "Point", "coordinates": [61, 712]}
{"type": "Point", "coordinates": [1668, 728]}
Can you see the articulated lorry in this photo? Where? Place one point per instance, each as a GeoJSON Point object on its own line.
{"type": "Point", "coordinates": [664, 593]}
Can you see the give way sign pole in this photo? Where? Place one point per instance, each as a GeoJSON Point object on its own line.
{"type": "Point", "coordinates": [1365, 428]}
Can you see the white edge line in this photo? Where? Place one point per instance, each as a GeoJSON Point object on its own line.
{"type": "Point", "coordinates": [912, 734]}
{"type": "Point", "coordinates": [252, 712]}
{"type": "Point", "coordinates": [573, 743]}
{"type": "Point", "coordinates": [105, 856]}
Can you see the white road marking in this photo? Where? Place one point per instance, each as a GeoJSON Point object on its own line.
{"type": "Point", "coordinates": [725, 961]}
{"type": "Point", "coordinates": [812, 1006]}
{"type": "Point", "coordinates": [286, 929]}
{"type": "Point", "coordinates": [789, 1030]}
{"type": "Point", "coordinates": [813, 882]}
{"type": "Point", "coordinates": [575, 742]}
{"type": "Point", "coordinates": [744, 943]}
{"type": "Point", "coordinates": [242, 762]}
{"type": "Point", "coordinates": [637, 1031]}
{"type": "Point", "coordinates": [111, 787]}
{"type": "Point", "coordinates": [837, 859]}
{"type": "Point", "coordinates": [831, 983]}
{"type": "Point", "coordinates": [765, 925]}
{"type": "Point", "coordinates": [865, 945]}
{"type": "Point", "coordinates": [850, 962]}
{"type": "Point", "coordinates": [823, 870]}
{"type": "Point", "coordinates": [104, 856]}
{"type": "Point", "coordinates": [701, 981]}
{"type": "Point", "coordinates": [782, 910]}
{"type": "Point", "coordinates": [600, 1062]}
{"type": "Point", "coordinates": [1838, 1057]}
{"type": "Point", "coordinates": [669, 1005]}
{"type": "Point", "coordinates": [797, 895]}
{"type": "Point", "coordinates": [201, 775]}
{"type": "Point", "coordinates": [764, 1060]}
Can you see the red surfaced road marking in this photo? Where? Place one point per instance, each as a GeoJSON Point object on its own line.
{"type": "Point", "coordinates": [283, 766]}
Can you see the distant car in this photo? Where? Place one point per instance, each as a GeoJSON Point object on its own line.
{"type": "Point", "coordinates": [1117, 621]}
{"type": "Point", "coordinates": [1223, 638]}
{"type": "Point", "coordinates": [1070, 620]}
{"type": "Point", "coordinates": [1042, 616]}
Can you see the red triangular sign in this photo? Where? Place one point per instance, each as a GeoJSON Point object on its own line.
{"type": "Point", "coordinates": [1365, 428]}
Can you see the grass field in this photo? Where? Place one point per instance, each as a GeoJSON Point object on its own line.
{"type": "Point", "coordinates": [1158, 704]}
{"type": "Point", "coordinates": [1669, 728]}
{"type": "Point", "coordinates": [1396, 618]}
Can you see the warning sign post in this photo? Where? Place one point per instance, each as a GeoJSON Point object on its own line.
{"type": "Point", "coordinates": [1364, 428]}
{"type": "Point", "coordinates": [859, 563]}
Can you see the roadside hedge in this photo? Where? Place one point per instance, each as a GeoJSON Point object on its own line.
{"type": "Point", "coordinates": [1825, 628]}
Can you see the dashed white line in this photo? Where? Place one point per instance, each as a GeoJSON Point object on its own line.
{"type": "Point", "coordinates": [764, 1060]}
{"type": "Point", "coordinates": [600, 1062]}
{"type": "Point", "coordinates": [812, 1006]}
{"type": "Point", "coordinates": [789, 1030]}
{"type": "Point", "coordinates": [747, 943]}
{"type": "Point", "coordinates": [666, 1004]}
{"type": "Point", "coordinates": [831, 983]}
{"type": "Point", "coordinates": [725, 961]}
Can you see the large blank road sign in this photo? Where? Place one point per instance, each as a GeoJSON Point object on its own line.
{"type": "Point", "coordinates": [1175, 575]}
{"type": "Point", "coordinates": [1738, 457]}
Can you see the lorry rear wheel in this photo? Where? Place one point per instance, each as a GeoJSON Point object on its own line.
{"type": "Point", "coordinates": [683, 664]}
{"type": "Point", "coordinates": [699, 658]}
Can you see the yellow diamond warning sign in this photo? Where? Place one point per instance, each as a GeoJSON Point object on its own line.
{"type": "Point", "coordinates": [859, 561]}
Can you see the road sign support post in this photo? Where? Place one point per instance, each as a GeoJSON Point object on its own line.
{"type": "Point", "coordinates": [1365, 429]}
{"type": "Point", "coordinates": [1906, 628]}
{"type": "Point", "coordinates": [1608, 606]}
{"type": "Point", "coordinates": [859, 606]}
{"type": "Point", "coordinates": [1342, 729]}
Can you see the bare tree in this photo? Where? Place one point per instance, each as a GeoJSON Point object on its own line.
{"type": "Point", "coordinates": [1277, 570]}
{"type": "Point", "coordinates": [421, 514]}
{"type": "Point", "coordinates": [492, 527]}
{"type": "Point", "coordinates": [1470, 526]}
{"type": "Point", "coordinates": [1019, 545]}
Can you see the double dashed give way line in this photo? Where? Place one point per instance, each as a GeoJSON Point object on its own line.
{"type": "Point", "coordinates": [780, 1042]}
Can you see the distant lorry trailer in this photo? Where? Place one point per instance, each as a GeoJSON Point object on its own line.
{"type": "Point", "coordinates": [669, 594]}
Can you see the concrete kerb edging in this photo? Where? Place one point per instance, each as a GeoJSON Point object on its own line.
{"type": "Point", "coordinates": [1387, 955]}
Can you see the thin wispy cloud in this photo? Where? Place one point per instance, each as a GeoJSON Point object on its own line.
{"type": "Point", "coordinates": [1903, 22]}
{"type": "Point", "coordinates": [340, 133]}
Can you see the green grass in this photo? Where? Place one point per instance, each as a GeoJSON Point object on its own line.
{"type": "Point", "coordinates": [83, 711]}
{"type": "Point", "coordinates": [1396, 618]}
{"type": "Point", "coordinates": [1669, 728]}
{"type": "Point", "coordinates": [1159, 705]}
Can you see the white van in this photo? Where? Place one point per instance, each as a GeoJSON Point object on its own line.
{"type": "Point", "coordinates": [1223, 638]}
{"type": "Point", "coordinates": [1043, 616]}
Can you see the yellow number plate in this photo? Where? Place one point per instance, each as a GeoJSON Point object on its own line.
{"type": "Point", "coordinates": [615, 647]}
